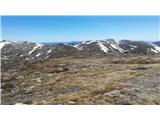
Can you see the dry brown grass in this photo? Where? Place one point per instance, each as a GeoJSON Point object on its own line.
{"type": "Point", "coordinates": [133, 60]}
{"type": "Point", "coordinates": [103, 75]}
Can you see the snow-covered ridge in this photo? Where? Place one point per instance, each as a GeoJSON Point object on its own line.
{"type": "Point", "coordinates": [88, 42]}
{"type": "Point", "coordinates": [117, 46]}
{"type": "Point", "coordinates": [3, 43]}
{"type": "Point", "coordinates": [103, 48]}
{"type": "Point", "coordinates": [105, 45]}
{"type": "Point", "coordinates": [23, 53]}
{"type": "Point", "coordinates": [24, 48]}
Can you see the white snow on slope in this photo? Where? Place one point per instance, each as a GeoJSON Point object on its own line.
{"type": "Point", "coordinates": [38, 54]}
{"type": "Point", "coordinates": [153, 50]}
{"type": "Point", "coordinates": [133, 46]}
{"type": "Point", "coordinates": [27, 58]}
{"type": "Point", "coordinates": [49, 51]}
{"type": "Point", "coordinates": [115, 46]}
{"type": "Point", "coordinates": [2, 44]}
{"type": "Point", "coordinates": [78, 47]}
{"type": "Point", "coordinates": [37, 46]}
{"type": "Point", "coordinates": [103, 48]}
{"type": "Point", "coordinates": [88, 42]}
{"type": "Point", "coordinates": [157, 48]}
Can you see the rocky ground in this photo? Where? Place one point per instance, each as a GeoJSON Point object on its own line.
{"type": "Point", "coordinates": [70, 80]}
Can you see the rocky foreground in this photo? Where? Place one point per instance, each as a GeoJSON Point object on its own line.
{"type": "Point", "coordinates": [71, 80]}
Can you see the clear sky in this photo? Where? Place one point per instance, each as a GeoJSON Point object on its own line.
{"type": "Point", "coordinates": [77, 28]}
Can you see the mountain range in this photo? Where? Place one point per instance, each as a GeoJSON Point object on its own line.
{"type": "Point", "coordinates": [27, 53]}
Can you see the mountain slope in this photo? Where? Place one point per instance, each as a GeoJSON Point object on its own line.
{"type": "Point", "coordinates": [123, 46]}
{"type": "Point", "coordinates": [139, 47]}
{"type": "Point", "coordinates": [27, 53]}
{"type": "Point", "coordinates": [157, 43]}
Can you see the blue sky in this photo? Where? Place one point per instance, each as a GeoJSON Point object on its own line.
{"type": "Point", "coordinates": [77, 28]}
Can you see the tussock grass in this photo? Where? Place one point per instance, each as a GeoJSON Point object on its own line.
{"type": "Point", "coordinates": [93, 76]}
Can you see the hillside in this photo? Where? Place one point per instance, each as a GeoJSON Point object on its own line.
{"type": "Point", "coordinates": [89, 72]}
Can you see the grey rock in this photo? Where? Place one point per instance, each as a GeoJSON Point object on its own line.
{"type": "Point", "coordinates": [6, 78]}
{"type": "Point", "coordinates": [20, 77]}
{"type": "Point", "coordinates": [71, 102]}
{"type": "Point", "coordinates": [113, 93]}
{"type": "Point", "coordinates": [37, 80]}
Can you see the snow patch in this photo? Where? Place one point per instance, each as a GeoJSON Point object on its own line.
{"type": "Point", "coordinates": [78, 47]}
{"type": "Point", "coordinates": [88, 42]}
{"type": "Point", "coordinates": [157, 48]}
{"type": "Point", "coordinates": [27, 59]}
{"type": "Point", "coordinates": [133, 46]}
{"type": "Point", "coordinates": [2, 44]}
{"type": "Point", "coordinates": [38, 54]}
{"type": "Point", "coordinates": [153, 50]}
{"type": "Point", "coordinates": [37, 46]}
{"type": "Point", "coordinates": [49, 51]}
{"type": "Point", "coordinates": [103, 48]}
{"type": "Point", "coordinates": [115, 46]}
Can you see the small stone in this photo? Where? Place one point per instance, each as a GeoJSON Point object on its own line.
{"type": "Point", "coordinates": [37, 80]}
{"type": "Point", "coordinates": [5, 78]}
{"type": "Point", "coordinates": [20, 77]}
{"type": "Point", "coordinates": [20, 104]}
{"type": "Point", "coordinates": [71, 102]}
{"type": "Point", "coordinates": [87, 65]}
{"type": "Point", "coordinates": [37, 72]}
{"type": "Point", "coordinates": [49, 75]}
{"type": "Point", "coordinates": [31, 87]}
{"type": "Point", "coordinates": [113, 93]}
{"type": "Point", "coordinates": [15, 73]}
{"type": "Point", "coordinates": [84, 69]}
